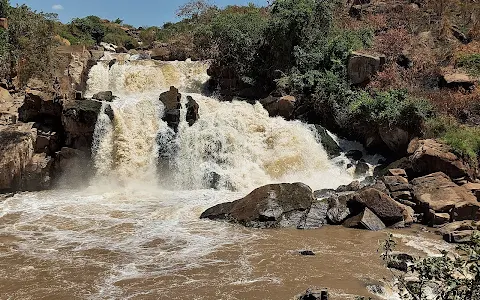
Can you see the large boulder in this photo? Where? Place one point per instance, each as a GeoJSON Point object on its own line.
{"type": "Point", "coordinates": [316, 216]}
{"type": "Point", "coordinates": [104, 96]}
{"type": "Point", "coordinates": [8, 108]}
{"type": "Point", "coordinates": [363, 67]}
{"type": "Point", "coordinates": [192, 111]}
{"type": "Point", "coordinates": [455, 80]}
{"type": "Point", "coordinates": [279, 106]}
{"type": "Point", "coordinates": [328, 143]}
{"type": "Point", "coordinates": [171, 102]}
{"type": "Point", "coordinates": [387, 209]}
{"type": "Point", "coordinates": [429, 156]}
{"type": "Point", "coordinates": [79, 119]}
{"type": "Point", "coordinates": [396, 139]}
{"type": "Point", "coordinates": [365, 220]}
{"type": "Point", "coordinates": [270, 206]}
{"type": "Point", "coordinates": [16, 150]}
{"type": "Point", "coordinates": [437, 193]}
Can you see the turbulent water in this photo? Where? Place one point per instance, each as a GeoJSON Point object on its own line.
{"type": "Point", "coordinates": [134, 233]}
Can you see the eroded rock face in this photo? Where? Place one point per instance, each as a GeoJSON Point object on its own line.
{"type": "Point", "coordinates": [430, 156]}
{"type": "Point", "coordinates": [79, 119]}
{"type": "Point", "coordinates": [438, 193]}
{"type": "Point", "coordinates": [16, 150]}
{"type": "Point", "coordinates": [271, 206]}
{"type": "Point", "coordinates": [37, 174]}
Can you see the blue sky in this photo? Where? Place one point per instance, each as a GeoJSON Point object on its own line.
{"type": "Point", "coordinates": [134, 12]}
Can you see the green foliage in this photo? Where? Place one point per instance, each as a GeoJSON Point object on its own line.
{"type": "Point", "coordinates": [149, 35]}
{"type": "Point", "coordinates": [471, 63]}
{"type": "Point", "coordinates": [453, 275]}
{"type": "Point", "coordinates": [464, 140]}
{"type": "Point", "coordinates": [391, 108]}
{"type": "Point", "coordinates": [28, 45]}
{"type": "Point", "coordinates": [88, 27]}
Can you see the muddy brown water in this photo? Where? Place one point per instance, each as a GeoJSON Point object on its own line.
{"type": "Point", "coordinates": [91, 245]}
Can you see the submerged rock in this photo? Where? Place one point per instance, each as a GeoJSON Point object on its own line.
{"type": "Point", "coordinates": [270, 206]}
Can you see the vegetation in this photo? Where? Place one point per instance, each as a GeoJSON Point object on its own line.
{"type": "Point", "coordinates": [448, 277]}
{"type": "Point", "coordinates": [471, 63]}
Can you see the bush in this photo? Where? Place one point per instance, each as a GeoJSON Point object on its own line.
{"type": "Point", "coordinates": [471, 63]}
{"type": "Point", "coordinates": [391, 108]}
{"type": "Point", "coordinates": [464, 140]}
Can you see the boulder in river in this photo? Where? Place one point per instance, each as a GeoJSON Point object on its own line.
{"type": "Point", "coordinates": [171, 101]}
{"type": "Point", "coordinates": [104, 96]}
{"type": "Point", "coordinates": [365, 220]}
{"type": "Point", "coordinates": [192, 111]}
{"type": "Point", "coordinates": [328, 143]}
{"type": "Point", "coordinates": [270, 206]}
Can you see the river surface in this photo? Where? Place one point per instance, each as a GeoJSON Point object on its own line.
{"type": "Point", "coordinates": [134, 231]}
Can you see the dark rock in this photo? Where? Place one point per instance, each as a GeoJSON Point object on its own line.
{"type": "Point", "coordinates": [121, 49]}
{"type": "Point", "coordinates": [396, 183]}
{"type": "Point", "coordinates": [192, 111]}
{"type": "Point", "coordinates": [313, 294]}
{"type": "Point", "coordinates": [365, 220]}
{"type": "Point", "coordinates": [109, 112]}
{"type": "Point", "coordinates": [362, 168]}
{"type": "Point", "coordinates": [352, 187]}
{"type": "Point", "coordinates": [355, 155]}
{"type": "Point", "coordinates": [387, 209]}
{"type": "Point", "coordinates": [328, 143]}
{"type": "Point", "coordinates": [460, 35]}
{"type": "Point", "coordinates": [396, 139]}
{"type": "Point", "coordinates": [104, 96]}
{"type": "Point", "coordinates": [436, 219]}
{"type": "Point", "coordinates": [400, 261]}
{"type": "Point", "coordinates": [111, 63]}
{"type": "Point", "coordinates": [279, 106]}
{"type": "Point", "coordinates": [404, 61]}
{"type": "Point", "coordinates": [271, 206]}
{"type": "Point", "coordinates": [79, 119]}
{"type": "Point", "coordinates": [171, 101]}
{"type": "Point", "coordinates": [316, 216]}
{"type": "Point", "coordinates": [459, 237]}
{"type": "Point", "coordinates": [307, 253]}
{"type": "Point", "coordinates": [338, 210]}
{"type": "Point", "coordinates": [325, 193]}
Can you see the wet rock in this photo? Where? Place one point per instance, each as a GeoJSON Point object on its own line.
{"type": "Point", "coordinates": [338, 210]}
{"type": "Point", "coordinates": [430, 156]}
{"type": "Point", "coordinates": [396, 139]}
{"type": "Point", "coordinates": [438, 193]}
{"type": "Point", "coordinates": [325, 193]}
{"type": "Point", "coordinates": [361, 168]}
{"type": "Point", "coordinates": [79, 119]}
{"type": "Point", "coordinates": [353, 186]}
{"type": "Point", "coordinates": [40, 107]}
{"type": "Point", "coordinates": [459, 237]}
{"type": "Point", "coordinates": [365, 220]}
{"type": "Point", "coordinates": [316, 216]}
{"type": "Point", "coordinates": [37, 174]}
{"type": "Point", "coordinates": [400, 261]}
{"type": "Point", "coordinates": [271, 206]}
{"type": "Point", "coordinates": [16, 151]}
{"type": "Point", "coordinates": [47, 142]}
{"type": "Point", "coordinates": [355, 155]}
{"type": "Point", "coordinates": [363, 67]}
{"type": "Point", "coordinates": [104, 96]}
{"type": "Point", "coordinates": [313, 294]}
{"type": "Point", "coordinates": [109, 112]}
{"type": "Point", "coordinates": [436, 219]}
{"type": "Point", "coordinates": [171, 101]}
{"type": "Point", "coordinates": [387, 209]}
{"type": "Point", "coordinates": [307, 253]}
{"type": "Point", "coordinates": [452, 232]}
{"type": "Point", "coordinates": [192, 111]}
{"type": "Point", "coordinates": [328, 143]}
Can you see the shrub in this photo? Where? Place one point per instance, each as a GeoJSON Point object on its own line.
{"type": "Point", "coordinates": [471, 63]}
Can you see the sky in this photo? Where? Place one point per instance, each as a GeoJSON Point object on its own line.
{"type": "Point", "coordinates": [134, 12]}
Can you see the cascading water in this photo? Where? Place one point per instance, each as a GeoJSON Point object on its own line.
{"type": "Point", "coordinates": [135, 232]}
{"type": "Point", "coordinates": [232, 146]}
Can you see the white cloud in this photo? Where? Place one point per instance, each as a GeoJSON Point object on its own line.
{"type": "Point", "coordinates": [57, 7]}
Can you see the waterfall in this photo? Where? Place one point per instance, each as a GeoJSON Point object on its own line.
{"type": "Point", "coordinates": [234, 145]}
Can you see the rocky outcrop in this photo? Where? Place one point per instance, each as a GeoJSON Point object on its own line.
{"type": "Point", "coordinates": [16, 151]}
{"type": "Point", "coordinates": [456, 80]}
{"type": "Point", "coordinates": [104, 96]}
{"type": "Point", "coordinates": [458, 232]}
{"type": "Point", "coordinates": [429, 156]}
{"type": "Point", "coordinates": [363, 67]}
{"type": "Point", "coordinates": [37, 174]}
{"type": "Point", "coordinates": [272, 206]}
{"type": "Point", "coordinates": [40, 106]}
{"type": "Point", "coordinates": [171, 101]}
{"type": "Point", "coordinates": [436, 194]}
{"type": "Point", "coordinates": [8, 108]}
{"type": "Point", "coordinates": [72, 167]}
{"type": "Point", "coordinates": [279, 106]}
{"type": "Point", "coordinates": [192, 111]}
{"type": "Point", "coordinates": [79, 119]}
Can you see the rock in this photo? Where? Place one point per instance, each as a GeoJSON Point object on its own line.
{"type": "Point", "coordinates": [72, 167]}
{"type": "Point", "coordinates": [121, 49]}
{"type": "Point", "coordinates": [328, 143]}
{"type": "Point", "coordinates": [338, 210]}
{"type": "Point", "coordinates": [355, 155]}
{"type": "Point", "coordinates": [402, 196]}
{"type": "Point", "coordinates": [162, 54]}
{"type": "Point", "coordinates": [387, 209]}
{"type": "Point", "coordinates": [397, 172]}
{"type": "Point", "coordinates": [325, 193]}
{"type": "Point", "coordinates": [436, 219]}
{"type": "Point", "coordinates": [97, 54]}
{"type": "Point", "coordinates": [460, 35]}
{"type": "Point", "coordinates": [4, 23]}
{"type": "Point", "coordinates": [396, 139]}
{"type": "Point", "coordinates": [455, 80]}
{"type": "Point", "coordinates": [283, 106]}
{"type": "Point", "coordinates": [16, 152]}
{"type": "Point", "coordinates": [400, 261]}
{"type": "Point", "coordinates": [192, 111]}
{"type": "Point", "coordinates": [408, 215]}
{"type": "Point", "coordinates": [79, 119]}
{"type": "Point", "coordinates": [363, 67]}
{"type": "Point", "coordinates": [353, 186]}
{"type": "Point", "coordinates": [108, 47]}
{"type": "Point", "coordinates": [40, 107]}
{"type": "Point", "coordinates": [271, 206]}
{"type": "Point", "coordinates": [316, 216]}
{"type": "Point", "coordinates": [459, 237]}
{"type": "Point", "coordinates": [466, 210]}
{"type": "Point", "coordinates": [313, 294]}
{"type": "Point", "coordinates": [307, 253]}
{"type": "Point", "coordinates": [396, 183]}
{"type": "Point", "coordinates": [361, 168]}
{"type": "Point", "coordinates": [47, 142]}
{"type": "Point", "coordinates": [430, 156]}
{"type": "Point", "coordinates": [5, 96]}
{"type": "Point", "coordinates": [365, 220]}
{"type": "Point", "coordinates": [104, 96]}
{"type": "Point", "coordinates": [78, 69]}
{"type": "Point", "coordinates": [459, 226]}
{"type": "Point", "coordinates": [474, 188]}
{"type": "Point", "coordinates": [438, 193]}
{"type": "Point", "coordinates": [37, 174]}
{"type": "Point", "coordinates": [171, 101]}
